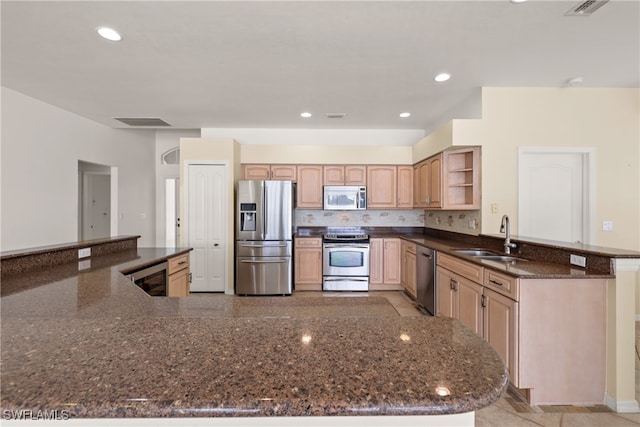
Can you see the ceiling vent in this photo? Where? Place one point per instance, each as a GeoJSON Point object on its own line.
{"type": "Point", "coordinates": [586, 8]}
{"type": "Point", "coordinates": [336, 115]}
{"type": "Point", "coordinates": [143, 121]}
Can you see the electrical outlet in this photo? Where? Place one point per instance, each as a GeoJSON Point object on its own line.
{"type": "Point", "coordinates": [578, 260]}
{"type": "Point", "coordinates": [494, 208]}
{"type": "Point", "coordinates": [84, 252]}
{"type": "Point", "coordinates": [607, 225]}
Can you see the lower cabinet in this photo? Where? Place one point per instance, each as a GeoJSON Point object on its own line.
{"type": "Point", "coordinates": [308, 263]}
{"type": "Point", "coordinates": [384, 264]}
{"type": "Point", "coordinates": [408, 270]}
{"type": "Point", "coordinates": [548, 332]}
{"type": "Point", "coordinates": [179, 276]}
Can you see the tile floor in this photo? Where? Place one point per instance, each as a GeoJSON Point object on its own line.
{"type": "Point", "coordinates": [510, 411]}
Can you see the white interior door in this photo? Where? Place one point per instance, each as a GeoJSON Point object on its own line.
{"type": "Point", "coordinates": [554, 195]}
{"type": "Point", "coordinates": [207, 216]}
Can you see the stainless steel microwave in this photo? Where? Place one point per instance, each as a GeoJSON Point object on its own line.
{"type": "Point", "coordinates": [345, 197]}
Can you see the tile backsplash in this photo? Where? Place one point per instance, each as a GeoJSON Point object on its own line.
{"type": "Point", "coordinates": [467, 222]}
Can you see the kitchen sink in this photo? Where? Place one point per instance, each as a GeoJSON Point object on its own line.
{"type": "Point", "coordinates": [476, 252]}
{"type": "Point", "coordinates": [489, 255]}
{"type": "Point", "coordinates": [501, 258]}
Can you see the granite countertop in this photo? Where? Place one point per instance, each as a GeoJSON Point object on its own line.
{"type": "Point", "coordinates": [91, 343]}
{"type": "Point", "coordinates": [542, 259]}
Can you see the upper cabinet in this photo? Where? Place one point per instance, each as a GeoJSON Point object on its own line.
{"type": "Point", "coordinates": [382, 187]}
{"type": "Point", "coordinates": [449, 180]}
{"type": "Point", "coordinates": [405, 187]}
{"type": "Point", "coordinates": [427, 188]}
{"type": "Point", "coordinates": [309, 188]}
{"type": "Point", "coordinates": [461, 179]}
{"type": "Point", "coordinates": [269, 172]}
{"type": "Point", "coordinates": [345, 175]}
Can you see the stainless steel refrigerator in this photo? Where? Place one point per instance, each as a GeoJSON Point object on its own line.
{"type": "Point", "coordinates": [264, 227]}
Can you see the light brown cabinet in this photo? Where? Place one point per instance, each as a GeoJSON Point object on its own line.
{"type": "Point", "coordinates": [408, 269]}
{"type": "Point", "coordinates": [269, 172]}
{"type": "Point", "coordinates": [427, 189]}
{"type": "Point", "coordinates": [384, 264]}
{"type": "Point", "coordinates": [309, 188]}
{"type": "Point", "coordinates": [405, 187]}
{"type": "Point", "coordinates": [449, 180]}
{"type": "Point", "coordinates": [549, 332]}
{"type": "Point", "coordinates": [461, 179]}
{"type": "Point", "coordinates": [178, 271]}
{"type": "Point", "coordinates": [458, 297]}
{"type": "Point", "coordinates": [345, 175]}
{"type": "Point", "coordinates": [308, 263]}
{"type": "Point", "coordinates": [382, 187]}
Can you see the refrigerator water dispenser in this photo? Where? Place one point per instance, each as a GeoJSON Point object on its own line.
{"type": "Point", "coordinates": [247, 217]}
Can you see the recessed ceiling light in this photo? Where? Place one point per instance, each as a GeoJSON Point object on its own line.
{"type": "Point", "coordinates": [442, 77]}
{"type": "Point", "coordinates": [518, 1]}
{"type": "Point", "coordinates": [405, 115]}
{"type": "Point", "coordinates": [109, 34]}
{"type": "Point", "coordinates": [305, 115]}
{"type": "Point", "coordinates": [575, 81]}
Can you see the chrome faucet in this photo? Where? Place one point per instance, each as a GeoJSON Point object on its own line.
{"type": "Point", "coordinates": [504, 228]}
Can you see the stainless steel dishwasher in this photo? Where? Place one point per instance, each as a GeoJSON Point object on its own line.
{"type": "Point", "coordinates": [426, 277]}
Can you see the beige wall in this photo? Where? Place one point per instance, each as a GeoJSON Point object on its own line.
{"type": "Point", "coordinates": [215, 149]}
{"type": "Point", "coordinates": [322, 154]}
{"type": "Point", "coordinates": [607, 120]}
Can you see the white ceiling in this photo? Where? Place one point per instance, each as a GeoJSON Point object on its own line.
{"type": "Point", "coordinates": [237, 64]}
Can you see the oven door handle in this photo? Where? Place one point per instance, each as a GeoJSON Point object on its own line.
{"type": "Point", "coordinates": [275, 261]}
{"type": "Point", "coordinates": [345, 245]}
{"type": "Point", "coordinates": [345, 279]}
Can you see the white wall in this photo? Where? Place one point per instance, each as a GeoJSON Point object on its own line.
{"type": "Point", "coordinates": [41, 146]}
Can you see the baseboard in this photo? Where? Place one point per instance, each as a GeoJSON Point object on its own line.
{"type": "Point", "coordinates": [621, 406]}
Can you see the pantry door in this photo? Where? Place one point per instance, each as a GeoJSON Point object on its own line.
{"type": "Point", "coordinates": [206, 213]}
{"type": "Point", "coordinates": [555, 194]}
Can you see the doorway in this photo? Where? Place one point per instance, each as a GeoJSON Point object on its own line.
{"type": "Point", "coordinates": [555, 193]}
{"type": "Point", "coordinates": [97, 201]}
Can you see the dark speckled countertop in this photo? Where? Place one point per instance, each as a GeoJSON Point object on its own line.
{"type": "Point", "coordinates": [92, 343]}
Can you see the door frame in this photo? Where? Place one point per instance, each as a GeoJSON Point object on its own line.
{"type": "Point", "coordinates": [184, 212]}
{"type": "Point", "coordinates": [588, 182]}
{"type": "Point", "coordinates": [87, 168]}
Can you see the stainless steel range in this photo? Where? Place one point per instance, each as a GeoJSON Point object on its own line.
{"type": "Point", "coordinates": [345, 261]}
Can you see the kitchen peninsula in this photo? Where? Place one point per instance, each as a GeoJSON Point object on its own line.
{"type": "Point", "coordinates": [80, 341]}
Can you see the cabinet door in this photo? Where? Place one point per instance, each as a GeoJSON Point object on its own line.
{"type": "Point", "coordinates": [423, 176]}
{"type": "Point", "coordinates": [434, 185]}
{"type": "Point", "coordinates": [391, 273]}
{"type": "Point", "coordinates": [256, 171]}
{"type": "Point", "coordinates": [376, 261]}
{"type": "Point", "coordinates": [178, 285]}
{"type": "Point", "coordinates": [469, 304]}
{"type": "Point", "coordinates": [308, 261]}
{"type": "Point", "coordinates": [405, 187]}
{"type": "Point", "coordinates": [500, 329]}
{"type": "Point", "coordinates": [309, 188]}
{"type": "Point", "coordinates": [381, 186]}
{"type": "Point", "coordinates": [355, 175]}
{"type": "Point", "coordinates": [283, 172]}
{"type": "Point", "coordinates": [446, 302]}
{"type": "Point", "coordinates": [333, 175]}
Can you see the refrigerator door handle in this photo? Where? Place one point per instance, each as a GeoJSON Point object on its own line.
{"type": "Point", "coordinates": [265, 212]}
{"type": "Point", "coordinates": [257, 245]}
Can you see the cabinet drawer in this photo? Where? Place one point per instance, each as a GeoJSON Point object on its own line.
{"type": "Point", "coordinates": [470, 271]}
{"type": "Point", "coordinates": [178, 263]}
{"type": "Point", "coordinates": [308, 242]}
{"type": "Point", "coordinates": [501, 283]}
{"type": "Point", "coordinates": [411, 247]}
